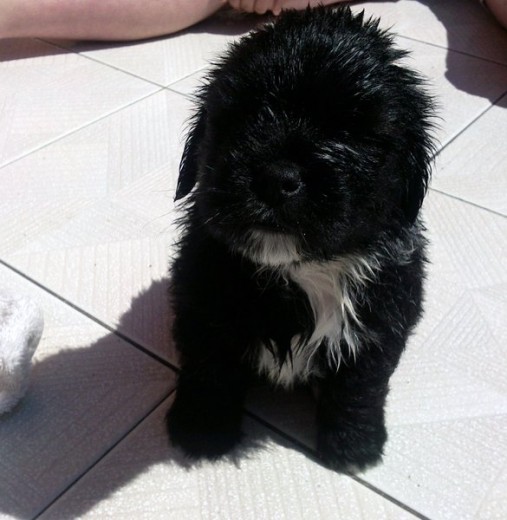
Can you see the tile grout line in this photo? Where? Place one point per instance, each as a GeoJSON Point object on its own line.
{"type": "Point", "coordinates": [188, 96]}
{"type": "Point", "coordinates": [104, 454]}
{"type": "Point", "coordinates": [111, 330]}
{"type": "Point", "coordinates": [161, 88]}
{"type": "Point", "coordinates": [103, 63]}
{"type": "Point", "coordinates": [86, 125]}
{"type": "Point", "coordinates": [463, 53]}
{"type": "Point", "coordinates": [186, 76]}
{"type": "Point", "coordinates": [456, 136]}
{"type": "Point", "coordinates": [128, 72]}
{"type": "Point", "coordinates": [469, 202]}
{"type": "Point", "coordinates": [402, 36]}
{"type": "Point", "coordinates": [470, 123]}
{"type": "Point", "coordinates": [312, 455]}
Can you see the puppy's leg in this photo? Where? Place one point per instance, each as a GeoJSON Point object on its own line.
{"type": "Point", "coordinates": [205, 419]}
{"type": "Point", "coordinates": [350, 412]}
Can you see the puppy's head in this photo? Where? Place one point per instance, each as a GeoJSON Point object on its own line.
{"type": "Point", "coordinates": [309, 140]}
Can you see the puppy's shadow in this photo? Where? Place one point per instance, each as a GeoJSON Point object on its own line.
{"type": "Point", "coordinates": [103, 405]}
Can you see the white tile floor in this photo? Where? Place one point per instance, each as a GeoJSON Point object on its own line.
{"type": "Point", "coordinates": [90, 139]}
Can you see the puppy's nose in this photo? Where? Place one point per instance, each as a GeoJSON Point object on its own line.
{"type": "Point", "coordinates": [278, 182]}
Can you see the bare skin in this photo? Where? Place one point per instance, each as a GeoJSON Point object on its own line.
{"type": "Point", "coordinates": [101, 19]}
{"type": "Point", "coordinates": [499, 10]}
{"type": "Point", "coordinates": [276, 6]}
{"type": "Point", "coordinates": [121, 19]}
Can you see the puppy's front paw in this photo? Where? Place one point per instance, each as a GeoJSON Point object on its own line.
{"type": "Point", "coordinates": [203, 433]}
{"type": "Point", "coordinates": [351, 448]}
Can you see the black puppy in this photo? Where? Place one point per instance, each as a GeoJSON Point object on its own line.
{"type": "Point", "coordinates": [302, 257]}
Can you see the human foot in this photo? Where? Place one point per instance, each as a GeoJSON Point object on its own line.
{"type": "Point", "coordinates": [276, 6]}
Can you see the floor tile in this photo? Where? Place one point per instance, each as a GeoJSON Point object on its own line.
{"type": "Point", "coordinates": [143, 478]}
{"type": "Point", "coordinates": [88, 389]}
{"type": "Point", "coordinates": [447, 410]}
{"type": "Point", "coordinates": [128, 160]}
{"type": "Point", "coordinates": [473, 167]}
{"type": "Point", "coordinates": [463, 26]}
{"type": "Point", "coordinates": [107, 235]}
{"type": "Point", "coordinates": [47, 92]}
{"type": "Point", "coordinates": [169, 59]}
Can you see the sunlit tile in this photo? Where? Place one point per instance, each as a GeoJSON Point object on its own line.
{"type": "Point", "coordinates": [47, 92]}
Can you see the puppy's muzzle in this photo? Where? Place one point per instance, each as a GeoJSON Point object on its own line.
{"type": "Point", "coordinates": [278, 182]}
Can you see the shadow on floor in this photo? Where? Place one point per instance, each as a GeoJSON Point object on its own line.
{"type": "Point", "coordinates": [75, 412]}
{"type": "Point", "coordinates": [461, 27]}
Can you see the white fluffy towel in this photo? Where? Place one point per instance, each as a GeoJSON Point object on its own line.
{"type": "Point", "coordinates": [21, 324]}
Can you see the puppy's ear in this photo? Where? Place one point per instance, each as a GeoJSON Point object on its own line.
{"type": "Point", "coordinates": [410, 167]}
{"type": "Point", "coordinates": [189, 164]}
{"type": "Point", "coordinates": [416, 185]}
{"type": "Point", "coordinates": [414, 147]}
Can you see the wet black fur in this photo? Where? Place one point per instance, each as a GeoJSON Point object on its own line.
{"type": "Point", "coordinates": [319, 93]}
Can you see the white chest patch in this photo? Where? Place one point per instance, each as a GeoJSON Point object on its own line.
{"type": "Point", "coordinates": [270, 248]}
{"type": "Point", "coordinates": [330, 288]}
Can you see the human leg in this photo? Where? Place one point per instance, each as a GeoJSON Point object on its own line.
{"type": "Point", "coordinates": [499, 10]}
{"type": "Point", "coordinates": [276, 6]}
{"type": "Point", "coordinates": [101, 19]}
